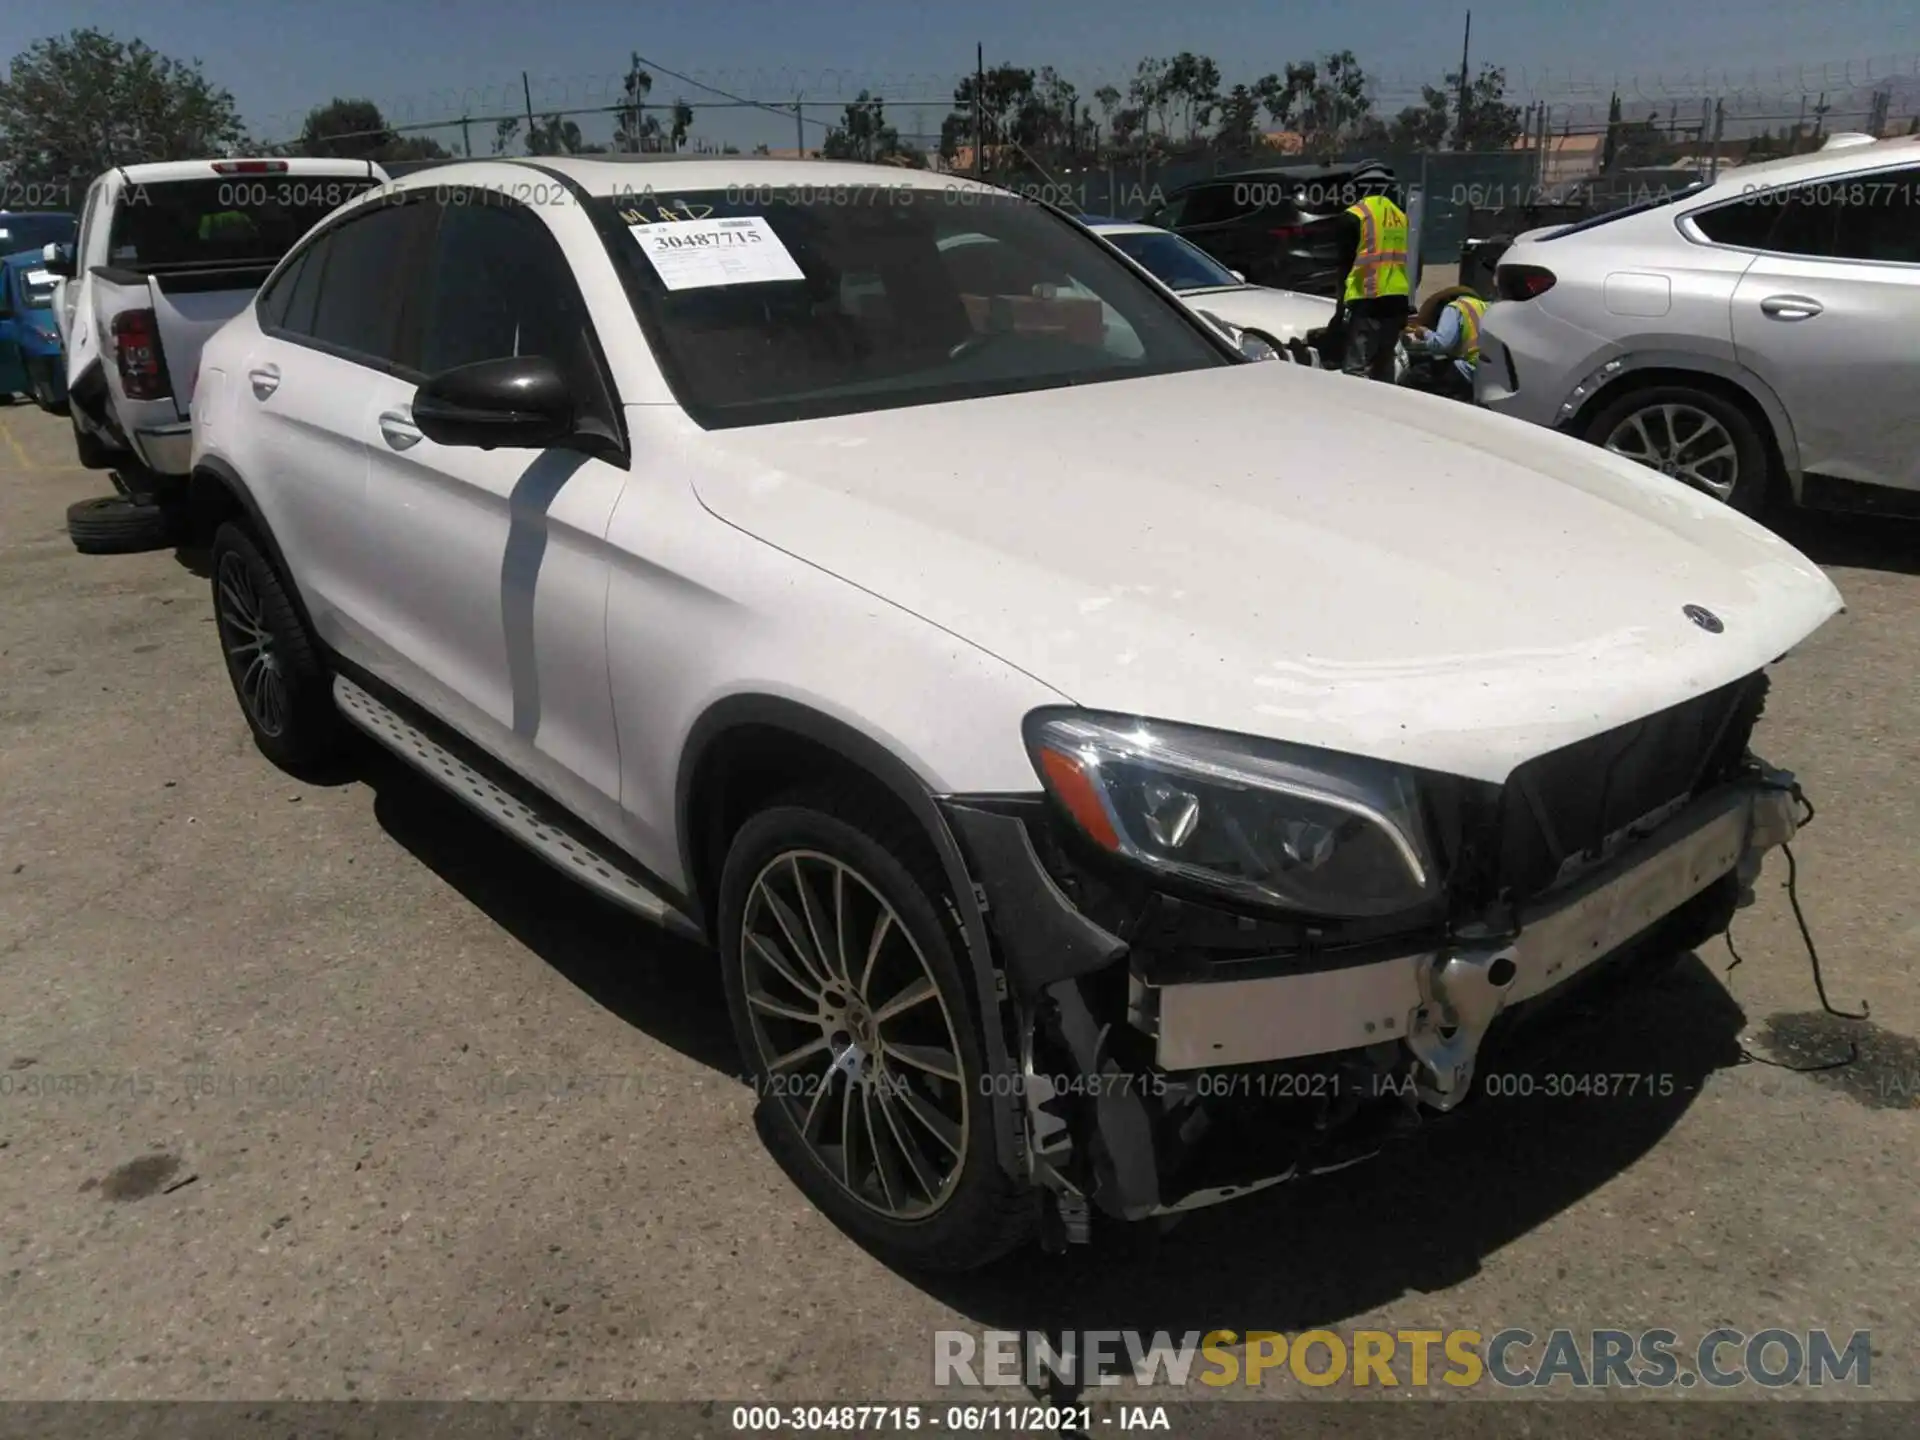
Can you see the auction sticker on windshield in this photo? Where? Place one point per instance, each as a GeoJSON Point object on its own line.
{"type": "Point", "coordinates": [693, 254]}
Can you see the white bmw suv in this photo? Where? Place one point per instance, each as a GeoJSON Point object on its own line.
{"type": "Point", "coordinates": [1057, 722]}
{"type": "Point", "coordinates": [1761, 329]}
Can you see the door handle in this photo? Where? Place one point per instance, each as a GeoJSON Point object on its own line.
{"type": "Point", "coordinates": [265, 380]}
{"type": "Point", "coordinates": [398, 429]}
{"type": "Point", "coordinates": [1790, 307]}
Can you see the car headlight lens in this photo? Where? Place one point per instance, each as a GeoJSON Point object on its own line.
{"type": "Point", "coordinates": [1257, 820]}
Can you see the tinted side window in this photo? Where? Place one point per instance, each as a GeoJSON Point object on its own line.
{"type": "Point", "coordinates": [274, 299]}
{"type": "Point", "coordinates": [304, 291]}
{"type": "Point", "coordinates": [1879, 217]}
{"type": "Point", "coordinates": [1745, 223]}
{"type": "Point", "coordinates": [1211, 205]}
{"type": "Point", "coordinates": [358, 292]}
{"type": "Point", "coordinates": [497, 285]}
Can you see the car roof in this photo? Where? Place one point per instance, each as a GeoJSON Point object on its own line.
{"type": "Point", "coordinates": [1308, 172]}
{"type": "Point", "coordinates": [611, 175]}
{"type": "Point", "coordinates": [1790, 169]}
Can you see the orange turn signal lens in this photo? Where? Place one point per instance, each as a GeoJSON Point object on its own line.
{"type": "Point", "coordinates": [1075, 791]}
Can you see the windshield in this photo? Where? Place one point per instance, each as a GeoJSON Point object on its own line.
{"type": "Point", "coordinates": [769, 303]}
{"type": "Point", "coordinates": [31, 230]}
{"type": "Point", "coordinates": [1178, 264]}
{"type": "Point", "coordinates": [237, 220]}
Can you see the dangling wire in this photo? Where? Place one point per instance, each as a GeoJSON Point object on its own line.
{"type": "Point", "coordinates": [1813, 958]}
{"type": "Point", "coordinates": [1813, 955]}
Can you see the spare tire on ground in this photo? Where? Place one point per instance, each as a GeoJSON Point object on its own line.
{"type": "Point", "coordinates": [118, 525]}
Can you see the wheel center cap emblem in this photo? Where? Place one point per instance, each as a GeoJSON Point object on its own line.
{"type": "Point", "coordinates": [1704, 618]}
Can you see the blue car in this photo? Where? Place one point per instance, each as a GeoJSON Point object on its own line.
{"type": "Point", "coordinates": [30, 359]}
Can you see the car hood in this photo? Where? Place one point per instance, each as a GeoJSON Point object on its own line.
{"type": "Point", "coordinates": [1280, 313]}
{"type": "Point", "coordinates": [1280, 551]}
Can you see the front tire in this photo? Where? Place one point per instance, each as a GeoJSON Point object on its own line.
{"type": "Point", "coordinates": [1692, 435]}
{"type": "Point", "coordinates": [278, 677]}
{"type": "Point", "coordinates": [852, 1008]}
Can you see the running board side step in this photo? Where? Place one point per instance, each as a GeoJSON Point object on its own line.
{"type": "Point", "coordinates": [542, 833]}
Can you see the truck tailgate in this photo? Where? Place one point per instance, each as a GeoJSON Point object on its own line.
{"type": "Point", "coordinates": [187, 315]}
{"type": "Point", "coordinates": [188, 306]}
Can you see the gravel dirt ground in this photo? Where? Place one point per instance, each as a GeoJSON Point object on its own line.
{"type": "Point", "coordinates": [323, 1090]}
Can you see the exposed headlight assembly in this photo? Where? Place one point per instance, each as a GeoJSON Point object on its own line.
{"type": "Point", "coordinates": [1274, 824]}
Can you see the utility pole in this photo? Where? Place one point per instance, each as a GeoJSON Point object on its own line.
{"type": "Point", "coordinates": [526, 90]}
{"type": "Point", "coordinates": [466, 138]}
{"type": "Point", "coordinates": [979, 110]}
{"type": "Point", "coordinates": [1719, 128]}
{"type": "Point", "coordinates": [800, 127]}
{"type": "Point", "coordinates": [1460, 108]}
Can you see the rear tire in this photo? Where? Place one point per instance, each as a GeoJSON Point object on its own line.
{"type": "Point", "coordinates": [1674, 426]}
{"type": "Point", "coordinates": [282, 684]}
{"type": "Point", "coordinates": [920, 1181]}
{"type": "Point", "coordinates": [118, 525]}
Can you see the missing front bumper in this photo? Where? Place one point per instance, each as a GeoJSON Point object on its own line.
{"type": "Point", "coordinates": [1441, 1003]}
{"type": "Point", "coordinates": [1362, 1048]}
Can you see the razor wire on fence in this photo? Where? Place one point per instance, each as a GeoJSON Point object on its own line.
{"type": "Point", "coordinates": [1575, 102]}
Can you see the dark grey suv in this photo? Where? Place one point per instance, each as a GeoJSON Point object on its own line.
{"type": "Point", "coordinates": [1275, 226]}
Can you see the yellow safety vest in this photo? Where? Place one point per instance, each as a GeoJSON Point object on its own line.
{"type": "Point", "coordinates": [1471, 308]}
{"type": "Point", "coordinates": [1380, 265]}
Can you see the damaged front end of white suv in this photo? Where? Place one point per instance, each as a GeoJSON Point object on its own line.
{"type": "Point", "coordinates": [1230, 963]}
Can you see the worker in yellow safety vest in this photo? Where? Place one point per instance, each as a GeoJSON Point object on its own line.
{"type": "Point", "coordinates": [1454, 338]}
{"type": "Point", "coordinates": [1374, 301]}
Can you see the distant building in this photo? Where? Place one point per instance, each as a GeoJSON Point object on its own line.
{"type": "Point", "coordinates": [1568, 158]}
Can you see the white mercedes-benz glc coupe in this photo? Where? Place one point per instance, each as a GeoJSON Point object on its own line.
{"type": "Point", "coordinates": [1042, 709]}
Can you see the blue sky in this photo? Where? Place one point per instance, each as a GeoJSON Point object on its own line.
{"type": "Point", "coordinates": [417, 57]}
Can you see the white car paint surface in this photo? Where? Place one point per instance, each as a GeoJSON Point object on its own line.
{"type": "Point", "coordinates": [1346, 598]}
{"type": "Point", "coordinates": [1280, 315]}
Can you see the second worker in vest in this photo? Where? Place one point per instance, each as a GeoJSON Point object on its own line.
{"type": "Point", "coordinates": [1453, 343]}
{"type": "Point", "coordinates": [1375, 301]}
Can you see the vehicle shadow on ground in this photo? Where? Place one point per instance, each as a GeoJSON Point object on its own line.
{"type": "Point", "coordinates": [1419, 1218]}
{"type": "Point", "coordinates": [655, 982]}
{"type": "Point", "coordinates": [1856, 542]}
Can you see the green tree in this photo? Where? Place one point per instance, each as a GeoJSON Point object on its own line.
{"type": "Point", "coordinates": [1239, 121]}
{"type": "Point", "coordinates": [1491, 123]}
{"type": "Point", "coordinates": [1049, 116]}
{"type": "Point", "coordinates": [1193, 85]}
{"type": "Point", "coordinates": [1424, 126]}
{"type": "Point", "coordinates": [1488, 121]}
{"type": "Point", "coordinates": [1004, 90]}
{"type": "Point", "coordinates": [634, 129]}
{"type": "Point", "coordinates": [1325, 101]}
{"type": "Point", "coordinates": [557, 135]}
{"type": "Point", "coordinates": [863, 133]}
{"type": "Point", "coordinates": [356, 130]}
{"type": "Point", "coordinates": [77, 104]}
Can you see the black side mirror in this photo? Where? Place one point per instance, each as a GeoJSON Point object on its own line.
{"type": "Point", "coordinates": [57, 260]}
{"type": "Point", "coordinates": [519, 403]}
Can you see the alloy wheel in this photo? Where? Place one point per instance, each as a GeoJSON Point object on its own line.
{"type": "Point", "coordinates": [252, 653]}
{"type": "Point", "coordinates": [855, 1039]}
{"type": "Point", "coordinates": [1683, 441]}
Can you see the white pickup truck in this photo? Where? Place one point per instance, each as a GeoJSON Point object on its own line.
{"type": "Point", "coordinates": [165, 255]}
